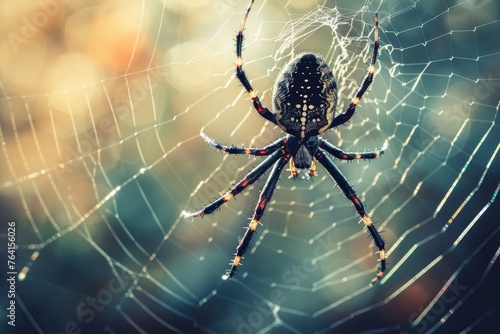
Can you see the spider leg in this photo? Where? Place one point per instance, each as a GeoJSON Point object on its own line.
{"type": "Point", "coordinates": [263, 111]}
{"type": "Point", "coordinates": [250, 178]}
{"type": "Point", "coordinates": [264, 198]}
{"type": "Point", "coordinates": [346, 116]}
{"type": "Point", "coordinates": [351, 195]}
{"type": "Point", "coordinates": [339, 154]}
{"type": "Point", "coordinates": [267, 150]}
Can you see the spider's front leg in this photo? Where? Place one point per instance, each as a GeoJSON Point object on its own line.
{"type": "Point", "coordinates": [250, 178]}
{"type": "Point", "coordinates": [267, 150]}
{"type": "Point", "coordinates": [346, 116]}
{"type": "Point", "coordinates": [264, 198]}
{"type": "Point", "coordinates": [263, 111]}
{"type": "Point", "coordinates": [353, 197]}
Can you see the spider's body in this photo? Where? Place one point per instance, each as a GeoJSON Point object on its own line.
{"type": "Point", "coordinates": [305, 96]}
{"type": "Point", "coordinates": [304, 102]}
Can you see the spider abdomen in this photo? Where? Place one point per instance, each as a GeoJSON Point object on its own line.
{"type": "Point", "coordinates": [305, 96]}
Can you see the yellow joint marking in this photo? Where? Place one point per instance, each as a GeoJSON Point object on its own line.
{"type": "Point", "coordinates": [371, 69]}
{"type": "Point", "coordinates": [382, 254]}
{"type": "Point", "coordinates": [367, 220]}
{"type": "Point", "coordinates": [355, 101]}
{"type": "Point", "coordinates": [253, 225]}
{"type": "Point", "coordinates": [247, 151]}
{"type": "Point", "coordinates": [358, 156]}
{"type": "Point", "coordinates": [244, 20]}
{"type": "Point", "coordinates": [227, 197]}
{"type": "Point", "coordinates": [239, 61]}
{"type": "Point", "coordinates": [292, 168]}
{"type": "Point", "coordinates": [252, 94]}
{"type": "Point", "coordinates": [236, 261]}
{"type": "Point", "coordinates": [312, 171]}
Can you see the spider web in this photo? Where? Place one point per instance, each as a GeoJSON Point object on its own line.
{"type": "Point", "coordinates": [102, 108]}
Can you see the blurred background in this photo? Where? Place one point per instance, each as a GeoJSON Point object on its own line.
{"type": "Point", "coordinates": [101, 108]}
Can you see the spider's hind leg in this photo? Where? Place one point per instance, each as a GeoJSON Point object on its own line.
{"type": "Point", "coordinates": [267, 150]}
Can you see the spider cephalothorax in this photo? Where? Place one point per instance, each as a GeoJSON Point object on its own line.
{"type": "Point", "coordinates": [304, 102]}
{"type": "Point", "coordinates": [302, 154]}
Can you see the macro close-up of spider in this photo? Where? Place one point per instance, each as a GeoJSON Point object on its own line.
{"type": "Point", "coordinates": [250, 167]}
{"type": "Point", "coordinates": [304, 107]}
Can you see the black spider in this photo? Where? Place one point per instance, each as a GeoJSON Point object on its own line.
{"type": "Point", "coordinates": [304, 103]}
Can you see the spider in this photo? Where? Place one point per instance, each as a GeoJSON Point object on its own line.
{"type": "Point", "coordinates": [304, 103]}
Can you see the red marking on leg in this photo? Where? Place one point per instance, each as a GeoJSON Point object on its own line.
{"type": "Point", "coordinates": [262, 204]}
